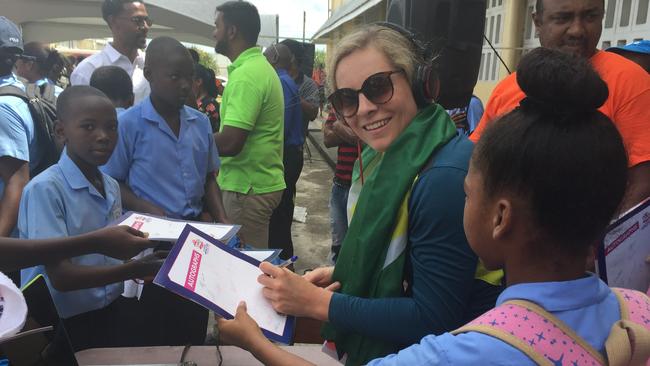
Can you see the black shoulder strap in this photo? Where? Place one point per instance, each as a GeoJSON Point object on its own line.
{"type": "Point", "coordinates": [14, 91]}
{"type": "Point", "coordinates": [48, 92]}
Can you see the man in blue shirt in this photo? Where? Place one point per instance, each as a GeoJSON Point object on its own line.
{"type": "Point", "coordinates": [18, 146]}
{"type": "Point", "coordinates": [280, 57]}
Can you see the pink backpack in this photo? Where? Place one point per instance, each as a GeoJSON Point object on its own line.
{"type": "Point", "coordinates": [548, 341]}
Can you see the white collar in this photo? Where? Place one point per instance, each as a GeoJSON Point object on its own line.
{"type": "Point", "coordinates": [114, 55]}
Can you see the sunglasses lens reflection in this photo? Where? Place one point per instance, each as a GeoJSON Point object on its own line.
{"type": "Point", "coordinates": [377, 88]}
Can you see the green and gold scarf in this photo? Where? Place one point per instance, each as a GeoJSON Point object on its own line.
{"type": "Point", "coordinates": [373, 254]}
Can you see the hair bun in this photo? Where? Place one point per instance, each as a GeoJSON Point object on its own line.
{"type": "Point", "coordinates": [560, 82]}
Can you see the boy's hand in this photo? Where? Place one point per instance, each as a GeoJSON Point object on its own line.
{"type": "Point", "coordinates": [148, 266]}
{"type": "Point", "coordinates": [460, 120]}
{"type": "Point", "coordinates": [121, 242]}
{"type": "Point", "coordinates": [242, 331]}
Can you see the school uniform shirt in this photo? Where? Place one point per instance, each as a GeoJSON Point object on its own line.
{"type": "Point", "coordinates": [159, 167]}
{"type": "Point", "coordinates": [61, 202]}
{"type": "Point", "coordinates": [17, 136]}
{"type": "Point", "coordinates": [586, 305]}
{"type": "Point", "coordinates": [57, 89]}
{"type": "Point", "coordinates": [109, 56]}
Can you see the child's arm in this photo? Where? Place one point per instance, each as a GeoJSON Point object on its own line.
{"type": "Point", "coordinates": [213, 199]}
{"type": "Point", "coordinates": [243, 332]}
{"type": "Point", "coordinates": [134, 203]}
{"type": "Point", "coordinates": [67, 276]}
{"type": "Point", "coordinates": [15, 175]}
{"type": "Point", "coordinates": [120, 242]}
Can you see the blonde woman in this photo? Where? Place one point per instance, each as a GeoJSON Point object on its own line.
{"type": "Point", "coordinates": [405, 269]}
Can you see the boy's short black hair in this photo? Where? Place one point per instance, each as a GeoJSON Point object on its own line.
{"type": "Point", "coordinates": [114, 82]}
{"type": "Point", "coordinates": [69, 99]}
{"type": "Point", "coordinates": [161, 48]}
{"type": "Point", "coordinates": [244, 16]}
{"type": "Point", "coordinates": [115, 7]}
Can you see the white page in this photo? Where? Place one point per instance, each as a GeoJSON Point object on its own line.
{"type": "Point", "coordinates": [164, 230]}
{"type": "Point", "coordinates": [224, 280]}
{"type": "Point", "coordinates": [626, 248]}
{"type": "Point", "coordinates": [170, 230]}
{"type": "Point", "coordinates": [260, 255]}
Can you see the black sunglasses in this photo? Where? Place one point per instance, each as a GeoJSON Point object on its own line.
{"type": "Point", "coordinates": [377, 88]}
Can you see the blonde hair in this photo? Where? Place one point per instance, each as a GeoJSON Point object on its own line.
{"type": "Point", "coordinates": [396, 47]}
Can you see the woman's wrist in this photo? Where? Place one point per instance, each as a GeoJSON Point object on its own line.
{"type": "Point", "coordinates": [320, 305]}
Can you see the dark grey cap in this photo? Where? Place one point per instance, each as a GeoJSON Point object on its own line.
{"type": "Point", "coordinates": [10, 36]}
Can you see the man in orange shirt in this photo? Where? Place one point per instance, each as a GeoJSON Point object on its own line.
{"type": "Point", "coordinates": [575, 26]}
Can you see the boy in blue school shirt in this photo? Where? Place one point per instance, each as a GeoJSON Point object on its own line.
{"type": "Point", "coordinates": [166, 161]}
{"type": "Point", "coordinates": [73, 197]}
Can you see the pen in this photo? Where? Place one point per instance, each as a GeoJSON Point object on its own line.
{"type": "Point", "coordinates": [288, 262]}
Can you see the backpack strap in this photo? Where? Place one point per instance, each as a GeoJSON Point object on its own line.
{"type": "Point", "coordinates": [14, 91]}
{"type": "Point", "coordinates": [42, 109]}
{"type": "Point", "coordinates": [629, 340]}
{"type": "Point", "coordinates": [544, 338]}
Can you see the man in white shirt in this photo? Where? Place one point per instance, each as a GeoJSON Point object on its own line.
{"type": "Point", "coordinates": [129, 22]}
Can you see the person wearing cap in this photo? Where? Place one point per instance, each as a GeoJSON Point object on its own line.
{"type": "Point", "coordinates": [36, 70]}
{"type": "Point", "coordinates": [129, 22]}
{"type": "Point", "coordinates": [18, 146]}
{"type": "Point", "coordinates": [637, 52]}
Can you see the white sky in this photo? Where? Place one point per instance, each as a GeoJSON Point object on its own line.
{"type": "Point", "coordinates": [291, 15]}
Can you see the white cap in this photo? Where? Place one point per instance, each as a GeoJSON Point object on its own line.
{"type": "Point", "coordinates": [13, 309]}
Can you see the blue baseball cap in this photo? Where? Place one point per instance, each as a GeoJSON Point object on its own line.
{"type": "Point", "coordinates": [10, 37]}
{"type": "Point", "coordinates": [636, 47]}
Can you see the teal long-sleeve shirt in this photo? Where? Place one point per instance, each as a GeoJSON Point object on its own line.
{"type": "Point", "coordinates": [442, 293]}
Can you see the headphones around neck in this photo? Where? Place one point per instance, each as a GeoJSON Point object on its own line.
{"type": "Point", "coordinates": [425, 84]}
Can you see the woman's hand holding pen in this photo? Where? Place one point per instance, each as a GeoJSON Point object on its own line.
{"type": "Point", "coordinates": [292, 294]}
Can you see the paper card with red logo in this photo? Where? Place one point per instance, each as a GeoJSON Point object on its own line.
{"type": "Point", "coordinates": [208, 272]}
{"type": "Point", "coordinates": [622, 255]}
{"type": "Point", "coordinates": [166, 229]}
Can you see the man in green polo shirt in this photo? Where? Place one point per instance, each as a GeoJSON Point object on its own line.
{"type": "Point", "coordinates": [250, 140]}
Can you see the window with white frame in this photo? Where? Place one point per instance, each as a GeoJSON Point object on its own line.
{"type": "Point", "coordinates": [531, 38]}
{"type": "Point", "coordinates": [625, 21]}
{"type": "Point", "coordinates": [494, 24]}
